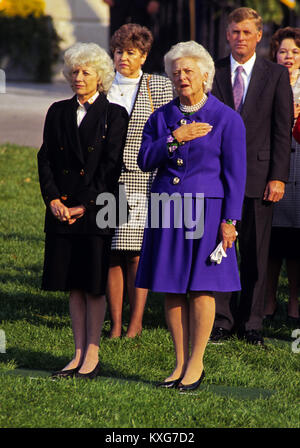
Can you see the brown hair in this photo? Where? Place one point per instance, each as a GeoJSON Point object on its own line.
{"type": "Point", "coordinates": [132, 35]}
{"type": "Point", "coordinates": [240, 14]}
{"type": "Point", "coordinates": [279, 36]}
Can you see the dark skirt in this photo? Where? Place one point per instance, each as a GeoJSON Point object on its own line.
{"type": "Point", "coordinates": [76, 262]}
{"type": "Point", "coordinates": [285, 242]}
{"type": "Point", "coordinates": [172, 263]}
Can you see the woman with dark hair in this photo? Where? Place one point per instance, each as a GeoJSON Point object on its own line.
{"type": "Point", "coordinates": [140, 93]}
{"type": "Point", "coordinates": [285, 237]}
{"type": "Point", "coordinates": [80, 158]}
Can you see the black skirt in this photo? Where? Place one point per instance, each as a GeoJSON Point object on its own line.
{"type": "Point", "coordinates": [76, 262]}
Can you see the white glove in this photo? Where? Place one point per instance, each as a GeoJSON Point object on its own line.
{"type": "Point", "coordinates": [218, 254]}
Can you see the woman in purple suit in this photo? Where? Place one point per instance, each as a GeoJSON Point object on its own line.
{"type": "Point", "coordinates": [198, 146]}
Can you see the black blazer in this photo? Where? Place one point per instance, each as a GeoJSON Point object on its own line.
{"type": "Point", "coordinates": [76, 164]}
{"type": "Point", "coordinates": [268, 116]}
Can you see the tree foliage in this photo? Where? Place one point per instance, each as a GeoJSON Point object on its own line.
{"type": "Point", "coordinates": [22, 8]}
{"type": "Point", "coordinates": [29, 43]}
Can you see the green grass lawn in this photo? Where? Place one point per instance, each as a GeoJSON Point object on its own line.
{"type": "Point", "coordinates": [245, 386]}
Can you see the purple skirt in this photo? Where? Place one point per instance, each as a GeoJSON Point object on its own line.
{"type": "Point", "coordinates": [173, 261]}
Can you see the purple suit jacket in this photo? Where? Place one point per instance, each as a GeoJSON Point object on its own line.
{"type": "Point", "coordinates": [214, 165]}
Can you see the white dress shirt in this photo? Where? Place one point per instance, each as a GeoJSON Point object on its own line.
{"type": "Point", "coordinates": [246, 73]}
{"type": "Point", "coordinates": [81, 110]}
{"type": "Point", "coordinates": [123, 91]}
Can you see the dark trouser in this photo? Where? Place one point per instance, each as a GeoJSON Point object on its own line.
{"type": "Point", "coordinates": [254, 239]}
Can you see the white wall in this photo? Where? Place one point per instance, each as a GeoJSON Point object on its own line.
{"type": "Point", "coordinates": [79, 21]}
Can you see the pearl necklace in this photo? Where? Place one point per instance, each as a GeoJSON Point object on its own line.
{"type": "Point", "coordinates": [194, 107]}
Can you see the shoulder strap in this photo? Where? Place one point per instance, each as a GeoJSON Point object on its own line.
{"type": "Point", "coordinates": [149, 93]}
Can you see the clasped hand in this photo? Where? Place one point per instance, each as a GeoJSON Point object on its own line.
{"type": "Point", "coordinates": [66, 214]}
{"type": "Point", "coordinates": [190, 131]}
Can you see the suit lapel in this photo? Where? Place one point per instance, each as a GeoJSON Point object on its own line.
{"type": "Point", "coordinates": [71, 129]}
{"type": "Point", "coordinates": [139, 97]}
{"type": "Point", "coordinates": [139, 115]}
{"type": "Point", "coordinates": [173, 114]}
{"type": "Point", "coordinates": [92, 121]}
{"type": "Point", "coordinates": [223, 79]}
{"type": "Point", "coordinates": [257, 83]}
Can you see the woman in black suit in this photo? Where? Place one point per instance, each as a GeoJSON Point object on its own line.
{"type": "Point", "coordinates": [80, 158]}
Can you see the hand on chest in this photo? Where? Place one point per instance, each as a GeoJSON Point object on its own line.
{"type": "Point", "coordinates": [198, 139]}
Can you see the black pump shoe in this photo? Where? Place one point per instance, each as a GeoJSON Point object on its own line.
{"type": "Point", "coordinates": [64, 373]}
{"type": "Point", "coordinates": [169, 384]}
{"type": "Point", "coordinates": [187, 387]}
{"type": "Point", "coordinates": [91, 375]}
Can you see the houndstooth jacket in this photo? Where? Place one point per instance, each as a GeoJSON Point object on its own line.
{"type": "Point", "coordinates": [153, 92]}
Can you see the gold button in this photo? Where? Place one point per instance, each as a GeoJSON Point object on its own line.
{"type": "Point", "coordinates": [65, 171]}
{"type": "Point", "coordinates": [176, 180]}
{"type": "Point", "coordinates": [82, 172]}
{"type": "Point", "coordinates": [183, 121]}
{"type": "Point", "coordinates": [179, 162]}
{"type": "Point", "coordinates": [90, 148]}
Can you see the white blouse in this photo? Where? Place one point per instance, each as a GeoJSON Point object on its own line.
{"type": "Point", "coordinates": [123, 91]}
{"type": "Point", "coordinates": [81, 110]}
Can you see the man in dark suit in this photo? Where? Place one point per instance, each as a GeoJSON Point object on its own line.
{"type": "Point", "coordinates": [260, 91]}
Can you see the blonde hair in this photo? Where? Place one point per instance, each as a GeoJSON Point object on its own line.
{"type": "Point", "coordinates": [240, 14]}
{"type": "Point", "coordinates": [191, 49]}
{"type": "Point", "coordinates": [94, 56]}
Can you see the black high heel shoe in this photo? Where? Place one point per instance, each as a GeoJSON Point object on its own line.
{"type": "Point", "coordinates": [169, 384]}
{"type": "Point", "coordinates": [90, 375]}
{"type": "Point", "coordinates": [64, 373]}
{"type": "Point", "coordinates": [187, 387]}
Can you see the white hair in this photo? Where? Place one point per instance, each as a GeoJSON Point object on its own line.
{"type": "Point", "coordinates": [191, 49]}
{"type": "Point", "coordinates": [94, 56]}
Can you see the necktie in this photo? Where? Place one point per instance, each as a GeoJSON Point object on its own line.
{"type": "Point", "coordinates": [238, 89]}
